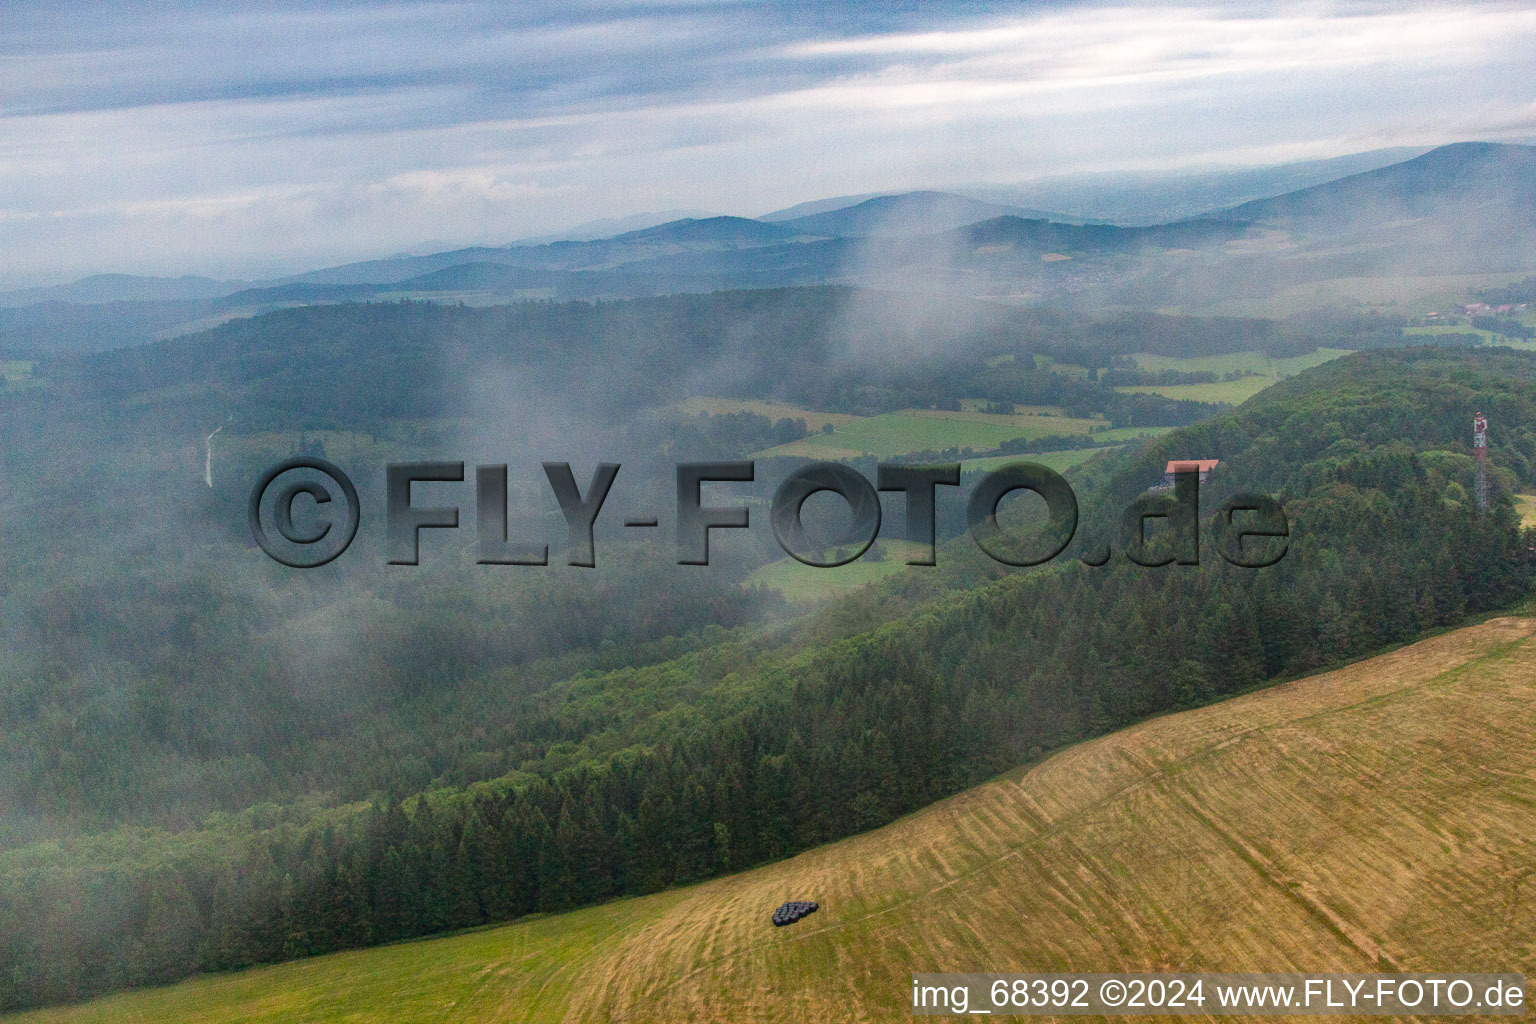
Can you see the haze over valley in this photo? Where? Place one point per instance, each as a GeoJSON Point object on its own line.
{"type": "Point", "coordinates": [1246, 298]}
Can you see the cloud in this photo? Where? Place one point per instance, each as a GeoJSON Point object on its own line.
{"type": "Point", "coordinates": [253, 138]}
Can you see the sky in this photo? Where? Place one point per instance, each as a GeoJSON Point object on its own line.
{"type": "Point", "coordinates": [250, 140]}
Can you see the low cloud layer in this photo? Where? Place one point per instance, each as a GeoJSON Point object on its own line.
{"type": "Point", "coordinates": [257, 139]}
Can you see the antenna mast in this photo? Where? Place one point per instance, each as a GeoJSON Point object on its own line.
{"type": "Point", "coordinates": [1480, 445]}
{"type": "Point", "coordinates": [208, 464]}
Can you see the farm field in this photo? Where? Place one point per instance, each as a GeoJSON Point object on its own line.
{"type": "Point", "coordinates": [1131, 433]}
{"type": "Point", "coordinates": [1240, 362]}
{"type": "Point", "coordinates": [773, 410]}
{"type": "Point", "coordinates": [1374, 818]}
{"type": "Point", "coordinates": [1051, 420]}
{"type": "Point", "coordinates": [1436, 331]}
{"type": "Point", "coordinates": [915, 430]}
{"type": "Point", "coordinates": [1525, 344]}
{"type": "Point", "coordinates": [1231, 392]}
{"type": "Point", "coordinates": [1261, 371]}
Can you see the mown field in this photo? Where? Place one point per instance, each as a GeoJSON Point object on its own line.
{"type": "Point", "coordinates": [1258, 372]}
{"type": "Point", "coordinates": [1131, 433]}
{"type": "Point", "coordinates": [916, 430]}
{"type": "Point", "coordinates": [1256, 363]}
{"type": "Point", "coordinates": [1438, 330]}
{"type": "Point", "coordinates": [1231, 392]}
{"type": "Point", "coordinates": [1375, 818]}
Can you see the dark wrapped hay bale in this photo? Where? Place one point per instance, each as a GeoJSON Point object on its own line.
{"type": "Point", "coordinates": [793, 911]}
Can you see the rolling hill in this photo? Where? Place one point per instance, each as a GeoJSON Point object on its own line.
{"type": "Point", "coordinates": [1463, 208]}
{"type": "Point", "coordinates": [1033, 236]}
{"type": "Point", "coordinates": [1376, 817]}
{"type": "Point", "coordinates": [1466, 175]}
{"type": "Point", "coordinates": [910, 213]}
{"type": "Point", "coordinates": [728, 231]}
{"type": "Point", "coordinates": [1458, 209]}
{"type": "Point", "coordinates": [122, 288]}
{"type": "Point", "coordinates": [1155, 197]}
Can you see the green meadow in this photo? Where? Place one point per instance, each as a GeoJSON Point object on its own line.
{"type": "Point", "coordinates": [1256, 363]}
{"type": "Point", "coordinates": [1229, 392]}
{"type": "Point", "coordinates": [798, 582]}
{"type": "Point", "coordinates": [916, 430]}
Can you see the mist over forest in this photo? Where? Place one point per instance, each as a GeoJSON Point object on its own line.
{"type": "Point", "coordinates": [212, 761]}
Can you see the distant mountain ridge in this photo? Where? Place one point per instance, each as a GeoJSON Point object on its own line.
{"type": "Point", "coordinates": [908, 214]}
{"type": "Point", "coordinates": [714, 230]}
{"type": "Point", "coordinates": [1462, 174]}
{"type": "Point", "coordinates": [1139, 199]}
{"type": "Point", "coordinates": [1458, 209]}
{"type": "Point", "coordinates": [123, 288]}
{"type": "Point", "coordinates": [607, 227]}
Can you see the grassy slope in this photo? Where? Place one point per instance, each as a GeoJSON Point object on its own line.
{"type": "Point", "coordinates": [1232, 392]}
{"type": "Point", "coordinates": [799, 582]}
{"type": "Point", "coordinates": [1261, 371]}
{"type": "Point", "coordinates": [803, 583]}
{"type": "Point", "coordinates": [1241, 362]}
{"type": "Point", "coordinates": [1525, 504]}
{"type": "Point", "coordinates": [1376, 817]}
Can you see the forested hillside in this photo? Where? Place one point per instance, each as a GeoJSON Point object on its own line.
{"type": "Point", "coordinates": [731, 749]}
{"type": "Point", "coordinates": [461, 558]}
{"type": "Point", "coordinates": [1315, 825]}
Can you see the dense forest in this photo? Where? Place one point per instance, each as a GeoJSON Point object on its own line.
{"type": "Point", "coordinates": [367, 366]}
{"type": "Point", "coordinates": [533, 776]}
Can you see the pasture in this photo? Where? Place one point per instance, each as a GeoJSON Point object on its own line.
{"type": "Point", "coordinates": [1229, 392]}
{"type": "Point", "coordinates": [916, 430]}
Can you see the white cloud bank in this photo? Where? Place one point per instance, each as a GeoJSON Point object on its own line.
{"type": "Point", "coordinates": [248, 142]}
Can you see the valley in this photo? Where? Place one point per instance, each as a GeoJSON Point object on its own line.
{"type": "Point", "coordinates": [463, 789]}
{"type": "Point", "coordinates": [708, 513]}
